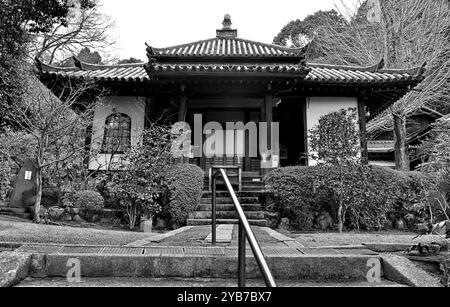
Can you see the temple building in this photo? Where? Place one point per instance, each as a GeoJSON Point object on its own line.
{"type": "Point", "coordinates": [230, 79]}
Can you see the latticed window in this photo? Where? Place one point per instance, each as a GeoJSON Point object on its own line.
{"type": "Point", "coordinates": [117, 138]}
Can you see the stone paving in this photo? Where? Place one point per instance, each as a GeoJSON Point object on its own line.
{"type": "Point", "coordinates": [196, 241]}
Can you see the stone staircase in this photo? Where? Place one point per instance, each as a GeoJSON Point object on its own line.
{"type": "Point", "coordinates": [226, 213]}
{"type": "Point", "coordinates": [252, 190]}
{"type": "Point", "coordinates": [15, 212]}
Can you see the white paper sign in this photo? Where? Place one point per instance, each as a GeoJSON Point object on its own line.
{"type": "Point", "coordinates": [28, 175]}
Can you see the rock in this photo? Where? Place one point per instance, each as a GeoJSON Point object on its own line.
{"type": "Point", "coordinates": [67, 203]}
{"type": "Point", "coordinates": [75, 211]}
{"type": "Point", "coordinates": [38, 266]}
{"type": "Point", "coordinates": [14, 268]}
{"type": "Point", "coordinates": [55, 213]}
{"type": "Point", "coordinates": [324, 221]}
{"type": "Point", "coordinates": [96, 218]}
{"type": "Point", "coordinates": [67, 218]}
{"type": "Point", "coordinates": [285, 224]}
{"type": "Point", "coordinates": [42, 212]}
{"type": "Point", "coordinates": [273, 219]}
{"type": "Point", "coordinates": [77, 219]}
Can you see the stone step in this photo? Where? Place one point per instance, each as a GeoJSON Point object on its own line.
{"type": "Point", "coordinates": [229, 207]}
{"type": "Point", "coordinates": [202, 222]}
{"type": "Point", "coordinates": [227, 215]}
{"type": "Point", "coordinates": [215, 262]}
{"type": "Point", "coordinates": [208, 194]}
{"type": "Point", "coordinates": [132, 282]}
{"type": "Point", "coordinates": [16, 212]}
{"type": "Point", "coordinates": [229, 200]}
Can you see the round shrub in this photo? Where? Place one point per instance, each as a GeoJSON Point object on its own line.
{"type": "Point", "coordinates": [90, 201]}
{"type": "Point", "coordinates": [185, 186]}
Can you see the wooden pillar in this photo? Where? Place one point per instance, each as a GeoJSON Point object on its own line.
{"type": "Point", "coordinates": [247, 158]}
{"type": "Point", "coordinates": [182, 113]}
{"type": "Point", "coordinates": [269, 112]}
{"type": "Point", "coordinates": [363, 128]}
{"type": "Point", "coordinates": [268, 118]}
{"type": "Point", "coordinates": [183, 105]}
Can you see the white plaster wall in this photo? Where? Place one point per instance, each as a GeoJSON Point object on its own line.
{"type": "Point", "coordinates": [134, 107]}
{"type": "Point", "coordinates": [317, 107]}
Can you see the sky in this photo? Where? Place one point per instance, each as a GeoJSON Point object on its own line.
{"type": "Point", "coordinates": [165, 23]}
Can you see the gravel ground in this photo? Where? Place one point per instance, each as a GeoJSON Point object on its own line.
{"type": "Point", "coordinates": [353, 238]}
{"type": "Point", "coordinates": [32, 233]}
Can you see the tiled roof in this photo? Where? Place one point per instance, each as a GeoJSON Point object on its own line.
{"type": "Point", "coordinates": [319, 73]}
{"type": "Point", "coordinates": [225, 47]}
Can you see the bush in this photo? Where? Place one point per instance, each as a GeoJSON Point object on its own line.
{"type": "Point", "coordinates": [50, 197]}
{"type": "Point", "coordinates": [6, 179]}
{"type": "Point", "coordinates": [89, 201]}
{"type": "Point", "coordinates": [185, 182]}
{"type": "Point", "coordinates": [301, 193]}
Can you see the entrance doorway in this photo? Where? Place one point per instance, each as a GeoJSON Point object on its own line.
{"type": "Point", "coordinates": [234, 144]}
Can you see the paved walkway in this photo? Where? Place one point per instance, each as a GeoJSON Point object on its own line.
{"type": "Point", "coordinates": [194, 241]}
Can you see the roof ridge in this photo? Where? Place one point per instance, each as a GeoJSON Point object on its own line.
{"type": "Point", "coordinates": [283, 48]}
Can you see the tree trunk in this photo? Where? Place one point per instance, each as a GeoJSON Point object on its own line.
{"type": "Point", "coordinates": [37, 204]}
{"type": "Point", "coordinates": [401, 147]}
{"type": "Point", "coordinates": [340, 217]}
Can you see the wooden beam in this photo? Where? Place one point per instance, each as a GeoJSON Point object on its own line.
{"type": "Point", "coordinates": [363, 128]}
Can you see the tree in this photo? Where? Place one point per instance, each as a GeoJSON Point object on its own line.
{"type": "Point", "coordinates": [130, 61]}
{"type": "Point", "coordinates": [140, 179]}
{"type": "Point", "coordinates": [405, 33]}
{"type": "Point", "coordinates": [436, 149]}
{"type": "Point", "coordinates": [299, 33]}
{"type": "Point", "coordinates": [85, 55]}
{"type": "Point", "coordinates": [85, 28]}
{"type": "Point", "coordinates": [335, 142]}
{"type": "Point", "coordinates": [15, 147]}
{"type": "Point", "coordinates": [19, 21]}
{"type": "Point", "coordinates": [53, 122]}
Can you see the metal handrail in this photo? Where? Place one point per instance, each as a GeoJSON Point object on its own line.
{"type": "Point", "coordinates": [245, 231]}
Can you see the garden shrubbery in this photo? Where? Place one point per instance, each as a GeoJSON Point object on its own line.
{"type": "Point", "coordinates": [88, 200]}
{"type": "Point", "coordinates": [302, 193]}
{"type": "Point", "coordinates": [185, 186]}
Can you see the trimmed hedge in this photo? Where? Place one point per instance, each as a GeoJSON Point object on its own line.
{"type": "Point", "coordinates": [301, 194]}
{"type": "Point", "coordinates": [185, 182]}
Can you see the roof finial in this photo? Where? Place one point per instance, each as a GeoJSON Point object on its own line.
{"type": "Point", "coordinates": [226, 31]}
{"type": "Point", "coordinates": [227, 22]}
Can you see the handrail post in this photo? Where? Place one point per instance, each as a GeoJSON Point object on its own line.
{"type": "Point", "coordinates": [214, 210]}
{"type": "Point", "coordinates": [241, 256]}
